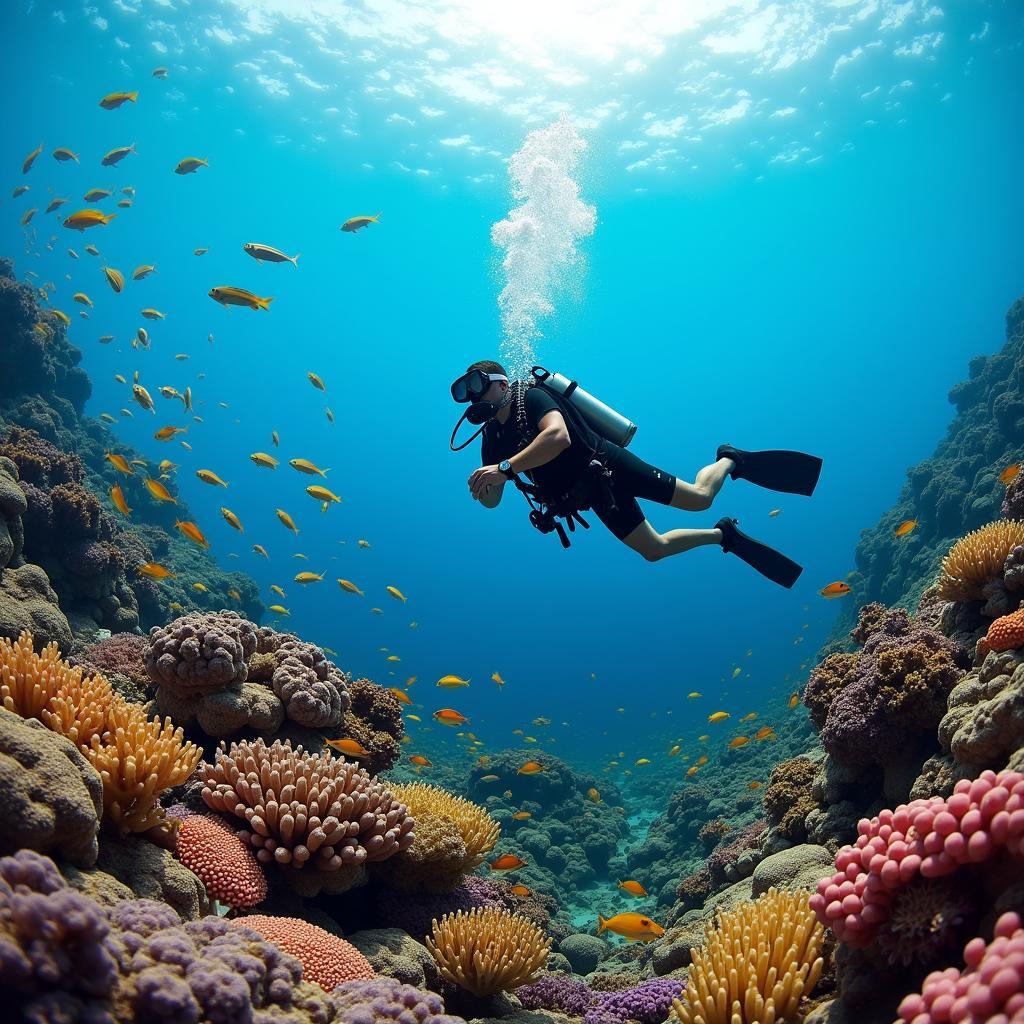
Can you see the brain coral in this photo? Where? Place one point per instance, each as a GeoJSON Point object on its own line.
{"type": "Point", "coordinates": [211, 850]}
{"type": "Point", "coordinates": [977, 559]}
{"type": "Point", "coordinates": [200, 652]}
{"type": "Point", "coordinates": [306, 811]}
{"type": "Point", "coordinates": [313, 689]}
{"type": "Point", "coordinates": [984, 723]}
{"type": "Point", "coordinates": [757, 962]}
{"type": "Point", "coordinates": [488, 951]}
{"type": "Point", "coordinates": [326, 959]}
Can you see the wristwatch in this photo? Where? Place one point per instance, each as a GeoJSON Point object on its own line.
{"type": "Point", "coordinates": [505, 468]}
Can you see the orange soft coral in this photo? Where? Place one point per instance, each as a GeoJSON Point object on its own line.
{"type": "Point", "coordinates": [1005, 634]}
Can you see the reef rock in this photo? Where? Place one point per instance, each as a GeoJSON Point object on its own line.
{"type": "Point", "coordinates": [51, 798]}
{"type": "Point", "coordinates": [395, 954]}
{"type": "Point", "coordinates": [798, 867]}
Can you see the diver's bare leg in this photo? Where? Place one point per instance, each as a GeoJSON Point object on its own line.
{"type": "Point", "coordinates": [698, 496]}
{"type": "Point", "coordinates": [655, 546]}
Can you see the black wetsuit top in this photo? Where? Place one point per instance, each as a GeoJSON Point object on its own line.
{"type": "Point", "coordinates": [632, 478]}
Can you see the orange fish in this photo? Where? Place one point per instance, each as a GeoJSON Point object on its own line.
{"type": "Point", "coordinates": [521, 891]}
{"type": "Point", "coordinates": [348, 746]}
{"type": "Point", "coordinates": [794, 699]}
{"type": "Point", "coordinates": [633, 888]}
{"type": "Point", "coordinates": [155, 571]}
{"type": "Point", "coordinates": [120, 463]}
{"type": "Point", "coordinates": [158, 490]}
{"type": "Point", "coordinates": [193, 533]}
{"type": "Point", "coordinates": [692, 770]}
{"type": "Point", "coordinates": [400, 695]}
{"type": "Point", "coordinates": [448, 716]}
{"type": "Point", "coordinates": [703, 759]}
{"type": "Point", "coordinates": [1010, 474]}
{"type": "Point", "coordinates": [837, 589]}
{"type": "Point", "coordinates": [754, 785]}
{"type": "Point", "coordinates": [166, 433]}
{"type": "Point", "coordinates": [118, 498]}
{"type": "Point", "coordinates": [507, 862]}
{"type": "Point", "coordinates": [907, 526]}
{"type": "Point", "coordinates": [766, 732]}
{"type": "Point", "coordinates": [521, 815]}
{"type": "Point", "coordinates": [594, 795]}
{"type": "Point", "coordinates": [421, 760]}
{"type": "Point", "coordinates": [635, 927]}
{"type": "Point", "coordinates": [739, 741]}
{"type": "Point", "coordinates": [530, 768]}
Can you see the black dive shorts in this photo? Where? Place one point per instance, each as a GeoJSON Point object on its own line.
{"type": "Point", "coordinates": [632, 478]}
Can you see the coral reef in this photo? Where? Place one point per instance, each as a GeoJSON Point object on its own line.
{"type": "Point", "coordinates": [488, 951]}
{"type": "Point", "coordinates": [757, 963]}
{"type": "Point", "coordinates": [266, 788]}
{"type": "Point", "coordinates": [325, 958]}
{"type": "Point", "coordinates": [788, 798]}
{"type": "Point", "coordinates": [415, 912]}
{"type": "Point", "coordinates": [385, 1001]}
{"type": "Point", "coordinates": [374, 720]}
{"type": "Point", "coordinates": [977, 559]}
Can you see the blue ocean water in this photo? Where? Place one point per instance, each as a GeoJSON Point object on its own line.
{"type": "Point", "coordinates": [806, 222]}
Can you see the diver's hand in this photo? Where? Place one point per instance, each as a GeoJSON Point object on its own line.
{"type": "Point", "coordinates": [481, 482]}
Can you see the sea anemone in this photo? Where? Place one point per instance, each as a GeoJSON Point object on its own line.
{"type": "Point", "coordinates": [977, 558]}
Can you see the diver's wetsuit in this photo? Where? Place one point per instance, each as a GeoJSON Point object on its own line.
{"type": "Point", "coordinates": [632, 478]}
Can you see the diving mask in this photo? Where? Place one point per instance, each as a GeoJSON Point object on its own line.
{"type": "Point", "coordinates": [471, 387]}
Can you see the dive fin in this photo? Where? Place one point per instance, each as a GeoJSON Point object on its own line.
{"type": "Point", "coordinates": [767, 561]}
{"type": "Point", "coordinates": [792, 472]}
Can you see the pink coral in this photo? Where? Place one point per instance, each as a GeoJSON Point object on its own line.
{"type": "Point", "coordinates": [991, 989]}
{"type": "Point", "coordinates": [1005, 634]}
{"type": "Point", "coordinates": [926, 838]}
{"type": "Point", "coordinates": [207, 846]}
{"type": "Point", "coordinates": [326, 959]}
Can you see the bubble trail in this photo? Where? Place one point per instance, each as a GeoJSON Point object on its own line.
{"type": "Point", "coordinates": [540, 237]}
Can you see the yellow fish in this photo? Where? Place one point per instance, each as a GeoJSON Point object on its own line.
{"type": "Point", "coordinates": [154, 571]}
{"type": "Point", "coordinates": [234, 594]}
{"type": "Point", "coordinates": [84, 219]}
{"type": "Point", "coordinates": [521, 815]}
{"type": "Point", "coordinates": [64, 319]}
{"type": "Point", "coordinates": [329, 414]}
{"type": "Point", "coordinates": [31, 159]}
{"type": "Point", "coordinates": [794, 699]}
{"type": "Point", "coordinates": [348, 746]}
{"type": "Point", "coordinates": [322, 493]}
{"type": "Point", "coordinates": [279, 609]}
{"type": "Point", "coordinates": [414, 718]}
{"type": "Point", "coordinates": [227, 295]}
{"type": "Point", "coordinates": [633, 888]}
{"type": "Point", "coordinates": [635, 927]}
{"type": "Point", "coordinates": [694, 695]}
{"type": "Point", "coordinates": [530, 768]}
{"type": "Point", "coordinates": [158, 491]}
{"type": "Point", "coordinates": [497, 678]}
{"type": "Point", "coordinates": [260, 550]}
{"type": "Point", "coordinates": [303, 465]}
{"type": "Point", "coordinates": [120, 463]}
{"type": "Point", "coordinates": [308, 577]}
{"type": "Point", "coordinates": [209, 477]}
{"type": "Point", "coordinates": [143, 271]}
{"type": "Point", "coordinates": [263, 459]}
{"type": "Point", "coordinates": [594, 795]}
{"type": "Point", "coordinates": [642, 761]}
{"type": "Point", "coordinates": [906, 527]}
{"type": "Point", "coordinates": [738, 741]}
{"type": "Point", "coordinates": [396, 594]}
{"type": "Point", "coordinates": [452, 682]}
{"type": "Point", "coordinates": [1010, 474]}
{"type": "Point", "coordinates": [232, 519]}
{"type": "Point", "coordinates": [167, 433]}
{"type": "Point", "coordinates": [192, 532]}
{"type": "Point", "coordinates": [400, 695]}
{"type": "Point", "coordinates": [317, 382]}
{"type": "Point", "coordinates": [749, 717]}
{"type": "Point", "coordinates": [766, 732]}
{"type": "Point", "coordinates": [692, 770]}
{"type": "Point", "coordinates": [82, 299]}
{"type": "Point", "coordinates": [143, 397]}
{"type": "Point", "coordinates": [286, 519]}
{"type": "Point", "coordinates": [201, 587]}
{"type": "Point", "coordinates": [268, 254]}
{"type": "Point", "coordinates": [702, 760]}
{"type": "Point", "coordinates": [719, 716]}
{"type": "Point", "coordinates": [153, 314]}
{"type": "Point", "coordinates": [190, 165]}
{"type": "Point", "coordinates": [393, 657]}
{"type": "Point", "coordinates": [350, 587]}
{"type": "Point", "coordinates": [736, 672]}
{"type": "Point", "coordinates": [355, 223]}
{"type": "Point", "coordinates": [114, 99]}
{"type": "Point", "coordinates": [774, 512]}
{"type": "Point", "coordinates": [94, 195]}
{"type": "Point", "coordinates": [675, 750]}
{"type": "Point", "coordinates": [277, 590]}
{"type": "Point", "coordinates": [363, 543]}
{"type": "Point", "coordinates": [118, 498]}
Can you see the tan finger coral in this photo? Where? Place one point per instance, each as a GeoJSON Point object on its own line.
{"type": "Point", "coordinates": [28, 680]}
{"type": "Point", "coordinates": [488, 950]}
{"type": "Point", "coordinates": [138, 759]}
{"type": "Point", "coordinates": [978, 558]}
{"type": "Point", "coordinates": [305, 810]}
{"type": "Point", "coordinates": [756, 964]}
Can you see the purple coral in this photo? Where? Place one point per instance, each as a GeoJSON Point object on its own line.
{"type": "Point", "coordinates": [201, 652]}
{"type": "Point", "coordinates": [384, 1000]}
{"type": "Point", "coordinates": [121, 653]}
{"type": "Point", "coordinates": [414, 913]}
{"type": "Point", "coordinates": [649, 1002]}
{"type": "Point", "coordinates": [559, 992]}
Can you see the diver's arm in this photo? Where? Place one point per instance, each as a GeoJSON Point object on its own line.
{"type": "Point", "coordinates": [549, 443]}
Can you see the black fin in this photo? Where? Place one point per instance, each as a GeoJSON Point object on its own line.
{"type": "Point", "coordinates": [792, 472]}
{"type": "Point", "coordinates": [767, 561]}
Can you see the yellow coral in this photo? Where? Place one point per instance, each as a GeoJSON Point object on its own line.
{"type": "Point", "coordinates": [478, 829]}
{"type": "Point", "coordinates": [978, 558]}
{"type": "Point", "coordinates": [756, 963]}
{"type": "Point", "coordinates": [138, 759]}
{"type": "Point", "coordinates": [488, 950]}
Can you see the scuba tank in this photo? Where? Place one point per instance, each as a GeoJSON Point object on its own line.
{"type": "Point", "coordinates": [601, 418]}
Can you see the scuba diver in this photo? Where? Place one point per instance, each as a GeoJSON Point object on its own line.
{"type": "Point", "coordinates": [572, 449]}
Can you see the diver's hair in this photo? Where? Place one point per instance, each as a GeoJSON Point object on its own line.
{"type": "Point", "coordinates": [488, 366]}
